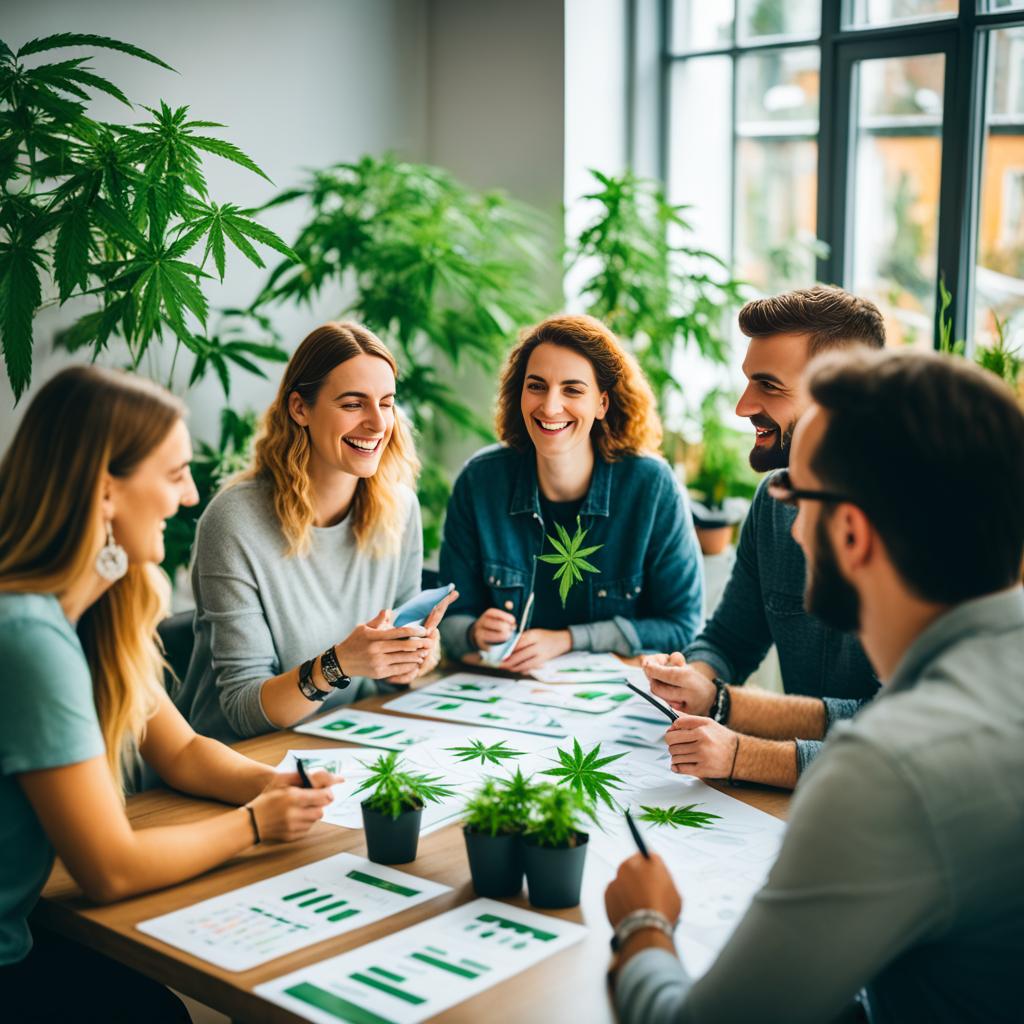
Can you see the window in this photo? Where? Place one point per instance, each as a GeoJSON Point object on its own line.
{"type": "Point", "coordinates": [878, 144]}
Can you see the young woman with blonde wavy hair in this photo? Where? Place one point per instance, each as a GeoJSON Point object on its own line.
{"type": "Point", "coordinates": [309, 550]}
{"type": "Point", "coordinates": [98, 464]}
{"type": "Point", "coordinates": [577, 473]}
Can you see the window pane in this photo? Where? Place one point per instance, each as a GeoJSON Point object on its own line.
{"type": "Point", "coordinates": [889, 12]}
{"type": "Point", "coordinates": [700, 146]}
{"type": "Point", "coordinates": [778, 92]}
{"type": "Point", "coordinates": [1003, 5]}
{"type": "Point", "coordinates": [760, 19]}
{"type": "Point", "coordinates": [999, 277]}
{"type": "Point", "coordinates": [896, 191]}
{"type": "Point", "coordinates": [699, 25]}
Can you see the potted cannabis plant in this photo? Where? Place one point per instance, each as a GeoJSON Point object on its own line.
{"type": "Point", "coordinates": [393, 810]}
{"type": "Point", "coordinates": [493, 826]}
{"type": "Point", "coordinates": [555, 845]}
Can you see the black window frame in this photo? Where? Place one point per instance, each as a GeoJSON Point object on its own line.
{"type": "Point", "coordinates": [962, 38]}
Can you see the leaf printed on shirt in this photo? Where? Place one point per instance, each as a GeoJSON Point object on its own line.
{"type": "Point", "coordinates": [570, 557]}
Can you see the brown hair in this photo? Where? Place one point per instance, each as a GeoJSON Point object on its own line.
{"type": "Point", "coordinates": [830, 317]}
{"type": "Point", "coordinates": [930, 447]}
{"type": "Point", "coordinates": [282, 447]}
{"type": "Point", "coordinates": [630, 427]}
{"type": "Point", "coordinates": [84, 422]}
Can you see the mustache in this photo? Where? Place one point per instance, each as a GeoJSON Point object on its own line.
{"type": "Point", "coordinates": [764, 422]}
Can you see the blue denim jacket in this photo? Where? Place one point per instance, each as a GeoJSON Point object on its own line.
{"type": "Point", "coordinates": [647, 596]}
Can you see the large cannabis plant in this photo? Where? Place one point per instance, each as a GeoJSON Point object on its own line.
{"type": "Point", "coordinates": [120, 213]}
{"type": "Point", "coordinates": [395, 791]}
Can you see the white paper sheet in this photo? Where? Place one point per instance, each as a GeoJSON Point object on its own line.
{"type": "Point", "coordinates": [367, 728]}
{"type": "Point", "coordinates": [499, 714]}
{"type": "Point", "coordinates": [584, 667]}
{"type": "Point", "coordinates": [417, 973]}
{"type": "Point", "coordinates": [249, 926]}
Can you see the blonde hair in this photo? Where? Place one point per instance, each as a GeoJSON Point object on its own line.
{"type": "Point", "coordinates": [51, 527]}
{"type": "Point", "coordinates": [630, 427]}
{"type": "Point", "coordinates": [282, 448]}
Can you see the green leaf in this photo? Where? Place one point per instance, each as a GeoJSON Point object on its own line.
{"type": "Point", "coordinates": [477, 750]}
{"type": "Point", "coordinates": [63, 39]}
{"type": "Point", "coordinates": [71, 250]}
{"type": "Point", "coordinates": [20, 296]}
{"type": "Point", "coordinates": [227, 150]}
{"type": "Point", "coordinates": [679, 817]}
{"type": "Point", "coordinates": [557, 545]}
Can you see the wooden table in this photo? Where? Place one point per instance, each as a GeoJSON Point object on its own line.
{"type": "Point", "coordinates": [571, 986]}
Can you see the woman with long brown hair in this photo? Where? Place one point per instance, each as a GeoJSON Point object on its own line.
{"type": "Point", "coordinates": [100, 461]}
{"type": "Point", "coordinates": [572, 530]}
{"type": "Point", "coordinates": [309, 550]}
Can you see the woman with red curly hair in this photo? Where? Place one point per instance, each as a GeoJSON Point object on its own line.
{"type": "Point", "coordinates": [573, 523]}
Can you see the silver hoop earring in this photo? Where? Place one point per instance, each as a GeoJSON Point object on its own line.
{"type": "Point", "coordinates": [112, 560]}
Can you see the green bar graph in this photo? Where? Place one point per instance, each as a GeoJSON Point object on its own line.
{"type": "Point", "coordinates": [301, 892]}
{"type": "Point", "coordinates": [339, 726]}
{"type": "Point", "coordinates": [315, 899]}
{"type": "Point", "coordinates": [380, 986]}
{"type": "Point", "coordinates": [522, 929]}
{"type": "Point", "coordinates": [382, 883]}
{"type": "Point", "coordinates": [333, 1004]}
{"type": "Point", "coordinates": [342, 914]}
{"type": "Point", "coordinates": [366, 729]}
{"type": "Point", "coordinates": [386, 974]}
{"type": "Point", "coordinates": [444, 965]}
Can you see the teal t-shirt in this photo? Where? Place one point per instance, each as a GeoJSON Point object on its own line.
{"type": "Point", "coordinates": [47, 719]}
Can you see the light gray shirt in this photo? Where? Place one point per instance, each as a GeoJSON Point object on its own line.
{"type": "Point", "coordinates": [903, 865]}
{"type": "Point", "coordinates": [260, 613]}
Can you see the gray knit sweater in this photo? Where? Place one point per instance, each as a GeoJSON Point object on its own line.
{"type": "Point", "coordinates": [260, 613]}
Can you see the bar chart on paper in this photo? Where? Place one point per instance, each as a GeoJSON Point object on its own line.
{"type": "Point", "coordinates": [388, 732]}
{"type": "Point", "coordinates": [416, 973]}
{"type": "Point", "coordinates": [247, 927]}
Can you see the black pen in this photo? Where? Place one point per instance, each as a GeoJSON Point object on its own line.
{"type": "Point", "coordinates": [301, 766]}
{"type": "Point", "coordinates": [663, 708]}
{"type": "Point", "coordinates": [637, 838]}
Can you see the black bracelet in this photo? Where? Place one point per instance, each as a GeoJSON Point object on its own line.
{"type": "Point", "coordinates": [252, 819]}
{"type": "Point", "coordinates": [722, 704]}
{"type": "Point", "coordinates": [334, 674]}
{"type": "Point", "coordinates": [307, 687]}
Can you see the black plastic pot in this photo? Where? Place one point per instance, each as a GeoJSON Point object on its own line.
{"type": "Point", "coordinates": [495, 862]}
{"type": "Point", "coordinates": [554, 874]}
{"type": "Point", "coordinates": [391, 840]}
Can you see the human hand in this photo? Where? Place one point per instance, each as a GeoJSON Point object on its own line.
{"type": "Point", "coordinates": [493, 627]}
{"type": "Point", "coordinates": [433, 620]}
{"type": "Point", "coordinates": [678, 684]}
{"type": "Point", "coordinates": [379, 651]}
{"type": "Point", "coordinates": [701, 747]}
{"type": "Point", "coordinates": [429, 663]}
{"type": "Point", "coordinates": [642, 884]}
{"type": "Point", "coordinates": [285, 812]}
{"type": "Point", "coordinates": [535, 647]}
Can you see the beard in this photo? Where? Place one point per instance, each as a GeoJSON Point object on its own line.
{"type": "Point", "coordinates": [777, 456]}
{"type": "Point", "coordinates": [827, 594]}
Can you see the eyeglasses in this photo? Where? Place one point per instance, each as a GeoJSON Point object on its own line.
{"type": "Point", "coordinates": [781, 488]}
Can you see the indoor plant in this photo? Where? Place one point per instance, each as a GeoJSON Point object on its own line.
{"type": "Point", "coordinates": [493, 824]}
{"type": "Point", "coordinates": [393, 810]}
{"type": "Point", "coordinates": [555, 847]}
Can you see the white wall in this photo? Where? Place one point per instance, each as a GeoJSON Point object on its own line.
{"type": "Point", "coordinates": [299, 85]}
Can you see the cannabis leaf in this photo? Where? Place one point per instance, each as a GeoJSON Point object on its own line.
{"type": "Point", "coordinates": [679, 817]}
{"type": "Point", "coordinates": [582, 773]}
{"type": "Point", "coordinates": [397, 791]}
{"type": "Point", "coordinates": [480, 751]}
{"type": "Point", "coordinates": [570, 557]}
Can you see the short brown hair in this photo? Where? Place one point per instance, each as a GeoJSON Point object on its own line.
{"type": "Point", "coordinates": [931, 448]}
{"type": "Point", "coordinates": [630, 427]}
{"type": "Point", "coordinates": [830, 317]}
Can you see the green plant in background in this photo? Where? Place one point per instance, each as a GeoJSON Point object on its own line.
{"type": "Point", "coordinates": [650, 284]}
{"type": "Point", "coordinates": [723, 470]}
{"type": "Point", "coordinates": [556, 815]}
{"type": "Point", "coordinates": [395, 791]}
{"type": "Point", "coordinates": [211, 465]}
{"type": "Point", "coordinates": [119, 213]}
{"type": "Point", "coordinates": [443, 274]}
{"type": "Point", "coordinates": [679, 817]}
{"type": "Point", "coordinates": [582, 774]}
{"type": "Point", "coordinates": [500, 806]}
{"type": "Point", "coordinates": [494, 753]}
{"type": "Point", "coordinates": [570, 558]}
{"type": "Point", "coordinates": [946, 343]}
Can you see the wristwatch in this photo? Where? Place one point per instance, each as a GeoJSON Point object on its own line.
{"type": "Point", "coordinates": [307, 687]}
{"type": "Point", "coordinates": [722, 704]}
{"type": "Point", "coordinates": [637, 921]}
{"type": "Point", "coordinates": [332, 670]}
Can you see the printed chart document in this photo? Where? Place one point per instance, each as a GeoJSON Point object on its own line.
{"type": "Point", "coordinates": [418, 972]}
{"type": "Point", "coordinates": [260, 922]}
{"type": "Point", "coordinates": [584, 667]}
{"type": "Point", "coordinates": [499, 714]}
{"type": "Point", "coordinates": [594, 699]}
{"type": "Point", "coordinates": [368, 729]}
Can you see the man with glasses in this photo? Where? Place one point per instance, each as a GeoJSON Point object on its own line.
{"type": "Point", "coordinates": [902, 864]}
{"type": "Point", "coordinates": [745, 733]}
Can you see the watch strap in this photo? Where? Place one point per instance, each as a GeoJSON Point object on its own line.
{"type": "Point", "coordinates": [638, 920]}
{"type": "Point", "coordinates": [332, 670]}
{"type": "Point", "coordinates": [307, 687]}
